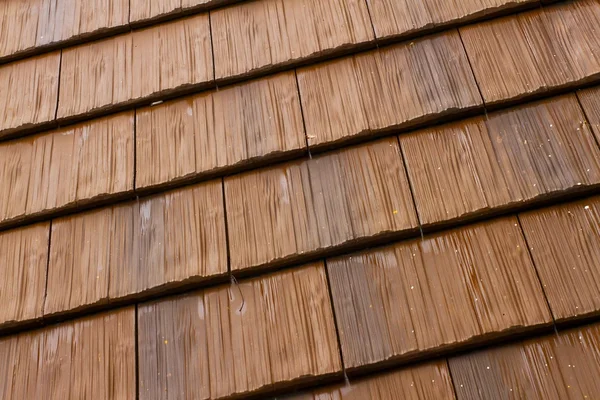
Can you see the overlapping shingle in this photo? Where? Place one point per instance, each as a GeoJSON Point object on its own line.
{"type": "Point", "coordinates": [23, 273]}
{"type": "Point", "coordinates": [130, 249]}
{"type": "Point", "coordinates": [113, 72]}
{"type": "Point", "coordinates": [218, 130]}
{"type": "Point", "coordinates": [87, 358]}
{"type": "Point", "coordinates": [563, 366]}
{"type": "Point", "coordinates": [393, 87]}
{"type": "Point", "coordinates": [528, 53]}
{"type": "Point", "coordinates": [278, 213]}
{"type": "Point", "coordinates": [511, 157]}
{"type": "Point", "coordinates": [262, 34]}
{"type": "Point", "coordinates": [263, 333]}
{"type": "Point", "coordinates": [144, 11]}
{"type": "Point", "coordinates": [590, 101]}
{"type": "Point", "coordinates": [448, 289]}
{"type": "Point", "coordinates": [68, 166]}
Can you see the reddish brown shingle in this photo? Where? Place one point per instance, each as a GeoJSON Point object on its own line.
{"type": "Point", "coordinates": [217, 343]}
{"type": "Point", "coordinates": [388, 88]}
{"type": "Point", "coordinates": [257, 35]}
{"type": "Point", "coordinates": [590, 100]}
{"type": "Point", "coordinates": [443, 290]}
{"type": "Point", "coordinates": [284, 211]}
{"type": "Point", "coordinates": [514, 156]}
{"type": "Point", "coordinates": [218, 129]}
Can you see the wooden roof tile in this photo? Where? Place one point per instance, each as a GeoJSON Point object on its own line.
{"type": "Point", "coordinates": [147, 10]}
{"type": "Point", "coordinates": [427, 381]}
{"type": "Point", "coordinates": [443, 290]}
{"type": "Point", "coordinates": [418, 81]}
{"type": "Point", "coordinates": [23, 273]}
{"type": "Point", "coordinates": [115, 71]}
{"type": "Point", "coordinates": [90, 357]}
{"type": "Point", "coordinates": [590, 101]}
{"type": "Point", "coordinates": [563, 366]}
{"type": "Point", "coordinates": [286, 210]}
{"type": "Point", "coordinates": [565, 244]}
{"type": "Point", "coordinates": [136, 247]}
{"type": "Point", "coordinates": [68, 166]}
{"type": "Point", "coordinates": [219, 129]}
{"type": "Point", "coordinates": [261, 34]}
{"type": "Point", "coordinates": [513, 156]}
{"type": "Point", "coordinates": [28, 92]}
{"type": "Point", "coordinates": [25, 25]}
{"type": "Point", "coordinates": [266, 332]}
{"type": "Point", "coordinates": [517, 56]}
{"type": "Point", "coordinates": [401, 17]}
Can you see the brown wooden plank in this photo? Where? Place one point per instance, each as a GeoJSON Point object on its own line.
{"type": "Point", "coordinates": [146, 11]}
{"type": "Point", "coordinates": [590, 101]}
{"type": "Point", "coordinates": [563, 366]}
{"type": "Point", "coordinates": [87, 358]}
{"type": "Point", "coordinates": [68, 166]}
{"type": "Point", "coordinates": [25, 25]}
{"type": "Point", "coordinates": [267, 332]}
{"type": "Point", "coordinates": [541, 50]}
{"type": "Point", "coordinates": [24, 254]}
{"type": "Point", "coordinates": [447, 289]}
{"type": "Point", "coordinates": [393, 87]}
{"type": "Point", "coordinates": [134, 248]}
{"type": "Point", "coordinates": [218, 130]}
{"type": "Point", "coordinates": [259, 35]}
{"type": "Point", "coordinates": [115, 71]}
{"type": "Point", "coordinates": [401, 17]}
{"type": "Point", "coordinates": [277, 213]}
{"type": "Point", "coordinates": [565, 244]}
{"type": "Point", "coordinates": [28, 92]}
{"type": "Point", "coordinates": [512, 157]}
{"type": "Point", "coordinates": [429, 381]}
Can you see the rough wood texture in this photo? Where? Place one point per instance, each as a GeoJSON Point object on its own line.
{"type": "Point", "coordinates": [558, 367]}
{"type": "Point", "coordinates": [91, 358]}
{"type": "Point", "coordinates": [219, 129]}
{"type": "Point", "coordinates": [265, 332]}
{"type": "Point", "coordinates": [590, 100]}
{"type": "Point", "coordinates": [514, 156]}
{"type": "Point", "coordinates": [565, 244]}
{"type": "Point", "coordinates": [284, 211]}
{"type": "Point", "coordinates": [447, 289]}
{"type": "Point", "coordinates": [402, 17]}
{"type": "Point", "coordinates": [430, 381]}
{"type": "Point", "coordinates": [257, 35]}
{"type": "Point", "coordinates": [393, 87]}
{"type": "Point", "coordinates": [27, 24]}
{"type": "Point", "coordinates": [23, 273]}
{"type": "Point", "coordinates": [67, 166]}
{"type": "Point", "coordinates": [128, 249]}
{"type": "Point", "coordinates": [523, 54]}
{"type": "Point", "coordinates": [28, 92]}
{"type": "Point", "coordinates": [118, 70]}
{"type": "Point", "coordinates": [147, 10]}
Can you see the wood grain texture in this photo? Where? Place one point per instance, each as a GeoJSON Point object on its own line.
{"type": "Point", "coordinates": [392, 87]}
{"type": "Point", "coordinates": [429, 381]}
{"type": "Point", "coordinates": [132, 248]}
{"type": "Point", "coordinates": [401, 17]}
{"type": "Point", "coordinates": [116, 71]}
{"type": "Point", "coordinates": [280, 212]}
{"type": "Point", "coordinates": [565, 244]}
{"type": "Point", "coordinates": [67, 166]}
{"type": "Point", "coordinates": [444, 290]}
{"type": "Point", "coordinates": [219, 129]}
{"type": "Point", "coordinates": [258, 35]}
{"type": "Point", "coordinates": [23, 273]}
{"type": "Point", "coordinates": [529, 53]}
{"type": "Point", "coordinates": [216, 343]}
{"type": "Point", "coordinates": [147, 10]}
{"type": "Point", "coordinates": [563, 366]}
{"type": "Point", "coordinates": [512, 157]}
{"type": "Point", "coordinates": [28, 92]}
{"type": "Point", "coordinates": [27, 24]}
{"type": "Point", "coordinates": [89, 358]}
{"type": "Point", "coordinates": [590, 101]}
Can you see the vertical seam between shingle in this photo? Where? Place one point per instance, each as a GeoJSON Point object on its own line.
{"type": "Point", "coordinates": [335, 321]}
{"type": "Point", "coordinates": [451, 378]}
{"type": "Point", "coordinates": [137, 353]}
{"type": "Point", "coordinates": [375, 38]}
{"type": "Point", "coordinates": [462, 42]}
{"type": "Point", "coordinates": [229, 271]}
{"type": "Point", "coordinates": [302, 113]}
{"type": "Point", "coordinates": [135, 150]}
{"type": "Point", "coordinates": [410, 187]}
{"type": "Point", "coordinates": [47, 269]}
{"type": "Point", "coordinates": [58, 84]}
{"type": "Point", "coordinates": [587, 119]}
{"type": "Point", "coordinates": [212, 49]}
